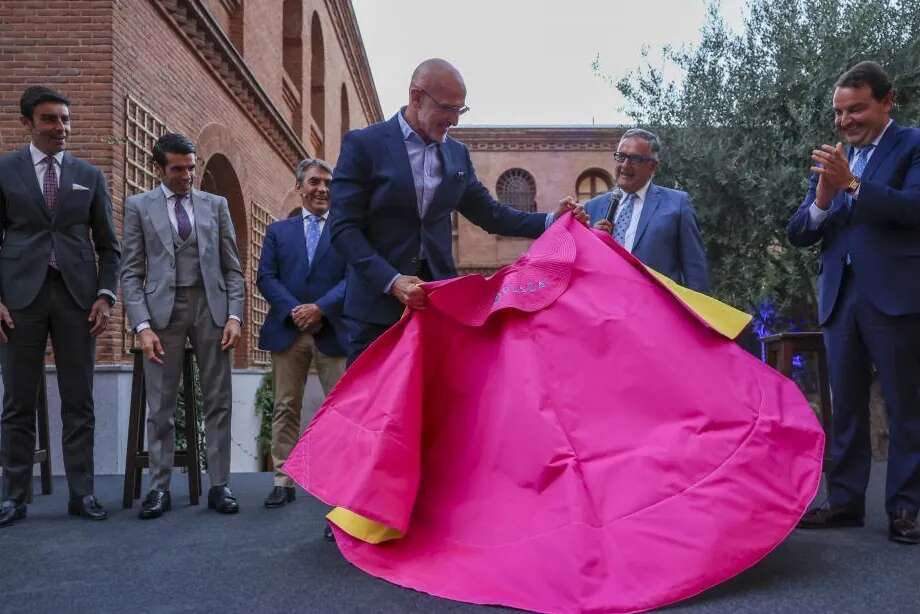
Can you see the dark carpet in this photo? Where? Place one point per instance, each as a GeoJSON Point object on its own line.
{"type": "Point", "coordinates": [195, 560]}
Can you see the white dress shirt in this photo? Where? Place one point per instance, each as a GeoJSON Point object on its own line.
{"type": "Point", "coordinates": [638, 201]}
{"type": "Point", "coordinates": [38, 161]}
{"type": "Point", "coordinates": [171, 207]}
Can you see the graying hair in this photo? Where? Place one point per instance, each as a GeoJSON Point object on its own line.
{"type": "Point", "coordinates": [306, 164]}
{"type": "Point", "coordinates": [649, 137]}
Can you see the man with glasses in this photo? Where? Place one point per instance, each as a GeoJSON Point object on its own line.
{"type": "Point", "coordinates": [656, 224]}
{"type": "Point", "coordinates": [395, 186]}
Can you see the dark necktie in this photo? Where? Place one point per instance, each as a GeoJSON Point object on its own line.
{"type": "Point", "coordinates": [50, 190]}
{"type": "Point", "coordinates": [183, 224]}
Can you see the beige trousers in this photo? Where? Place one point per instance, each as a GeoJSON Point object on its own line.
{"type": "Point", "coordinates": [289, 373]}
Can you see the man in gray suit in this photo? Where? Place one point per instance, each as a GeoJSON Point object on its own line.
{"type": "Point", "coordinates": [51, 205]}
{"type": "Point", "coordinates": [181, 280]}
{"type": "Point", "coordinates": [655, 224]}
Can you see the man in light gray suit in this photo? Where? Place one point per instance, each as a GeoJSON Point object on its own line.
{"type": "Point", "coordinates": [181, 279]}
{"type": "Point", "coordinates": [655, 224]}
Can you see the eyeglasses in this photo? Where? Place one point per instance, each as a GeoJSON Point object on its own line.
{"type": "Point", "coordinates": [447, 108]}
{"type": "Point", "coordinates": [622, 157]}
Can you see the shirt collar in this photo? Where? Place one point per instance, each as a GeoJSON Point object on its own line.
{"type": "Point", "coordinates": [169, 193]}
{"type": "Point", "coordinates": [409, 134]}
{"type": "Point", "coordinates": [641, 192]}
{"type": "Point", "coordinates": [307, 214]}
{"type": "Point", "coordinates": [878, 139]}
{"type": "Point", "coordinates": [38, 155]}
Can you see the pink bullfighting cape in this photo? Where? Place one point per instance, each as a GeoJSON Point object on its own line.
{"type": "Point", "coordinates": [572, 434]}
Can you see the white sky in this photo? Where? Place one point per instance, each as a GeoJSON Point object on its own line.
{"type": "Point", "coordinates": [527, 61]}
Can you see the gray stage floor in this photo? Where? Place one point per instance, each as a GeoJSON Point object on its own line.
{"type": "Point", "coordinates": [194, 560]}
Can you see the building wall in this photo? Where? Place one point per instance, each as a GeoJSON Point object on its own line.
{"type": "Point", "coordinates": [555, 157]}
{"type": "Point", "coordinates": [98, 52]}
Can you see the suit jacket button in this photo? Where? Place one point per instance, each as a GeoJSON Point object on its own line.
{"type": "Point", "coordinates": [413, 261]}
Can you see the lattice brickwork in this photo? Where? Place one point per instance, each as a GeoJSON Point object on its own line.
{"type": "Point", "coordinates": [258, 306]}
{"type": "Point", "coordinates": [142, 129]}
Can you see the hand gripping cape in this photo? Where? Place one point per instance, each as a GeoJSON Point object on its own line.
{"type": "Point", "coordinates": [572, 434]}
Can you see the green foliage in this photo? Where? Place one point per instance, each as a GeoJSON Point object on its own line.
{"type": "Point", "coordinates": [738, 127]}
{"type": "Point", "coordinates": [264, 407]}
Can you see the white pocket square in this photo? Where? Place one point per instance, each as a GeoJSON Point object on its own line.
{"type": "Point", "coordinates": [77, 186]}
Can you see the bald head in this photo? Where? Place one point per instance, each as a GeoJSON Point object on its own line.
{"type": "Point", "coordinates": [435, 71]}
{"type": "Point", "coordinates": [437, 99]}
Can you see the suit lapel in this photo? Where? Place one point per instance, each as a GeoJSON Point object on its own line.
{"type": "Point", "coordinates": [65, 181]}
{"type": "Point", "coordinates": [156, 209]}
{"type": "Point", "coordinates": [882, 151]}
{"type": "Point", "coordinates": [204, 219]}
{"type": "Point", "coordinates": [322, 246]}
{"type": "Point", "coordinates": [400, 157]}
{"type": "Point", "coordinates": [652, 200]}
{"type": "Point", "coordinates": [27, 173]}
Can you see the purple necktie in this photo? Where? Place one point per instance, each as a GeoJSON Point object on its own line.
{"type": "Point", "coordinates": [50, 190]}
{"type": "Point", "coordinates": [183, 224]}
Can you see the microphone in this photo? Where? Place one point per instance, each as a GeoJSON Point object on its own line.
{"type": "Point", "coordinates": [615, 197]}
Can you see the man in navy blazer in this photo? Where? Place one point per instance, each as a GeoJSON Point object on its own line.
{"type": "Point", "coordinates": [863, 206]}
{"type": "Point", "coordinates": [395, 186]}
{"type": "Point", "coordinates": [655, 224]}
{"type": "Point", "coordinates": [302, 277]}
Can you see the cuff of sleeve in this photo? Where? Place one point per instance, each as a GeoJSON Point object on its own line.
{"type": "Point", "coordinates": [816, 216]}
{"type": "Point", "coordinates": [389, 286]}
{"type": "Point", "coordinates": [237, 318]}
{"type": "Point", "coordinates": [550, 218]}
{"type": "Point", "coordinates": [142, 326]}
{"type": "Point", "coordinates": [109, 295]}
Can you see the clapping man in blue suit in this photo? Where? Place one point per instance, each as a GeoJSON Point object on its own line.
{"type": "Point", "coordinates": [303, 278]}
{"type": "Point", "coordinates": [655, 224]}
{"type": "Point", "coordinates": [395, 187]}
{"type": "Point", "coordinates": [863, 206]}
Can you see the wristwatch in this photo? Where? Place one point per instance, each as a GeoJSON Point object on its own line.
{"type": "Point", "coordinates": [853, 185]}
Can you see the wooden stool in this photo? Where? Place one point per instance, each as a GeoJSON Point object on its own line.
{"type": "Point", "coordinates": [42, 454]}
{"type": "Point", "coordinates": [137, 458]}
{"type": "Point", "coordinates": [779, 352]}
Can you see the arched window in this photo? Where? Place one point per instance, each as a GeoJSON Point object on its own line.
{"type": "Point", "coordinates": [591, 183]}
{"type": "Point", "coordinates": [292, 60]}
{"type": "Point", "coordinates": [517, 188]}
{"type": "Point", "coordinates": [346, 116]}
{"type": "Point", "coordinates": [318, 82]}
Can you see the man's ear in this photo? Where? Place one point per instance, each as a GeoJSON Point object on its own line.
{"type": "Point", "coordinates": [26, 121]}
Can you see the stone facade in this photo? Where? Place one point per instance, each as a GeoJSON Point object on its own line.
{"type": "Point", "coordinates": [556, 158]}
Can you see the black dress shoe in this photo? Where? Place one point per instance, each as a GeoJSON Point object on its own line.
{"type": "Point", "coordinates": [832, 517]}
{"type": "Point", "coordinates": [10, 512]}
{"type": "Point", "coordinates": [328, 535]}
{"type": "Point", "coordinates": [279, 496]}
{"type": "Point", "coordinates": [156, 503]}
{"type": "Point", "coordinates": [221, 498]}
{"type": "Point", "coordinates": [904, 528]}
{"type": "Point", "coordinates": [88, 507]}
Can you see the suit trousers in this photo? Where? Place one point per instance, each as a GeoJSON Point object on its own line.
{"type": "Point", "coordinates": [857, 336]}
{"type": "Point", "coordinates": [190, 319]}
{"type": "Point", "coordinates": [52, 312]}
{"type": "Point", "coordinates": [289, 376]}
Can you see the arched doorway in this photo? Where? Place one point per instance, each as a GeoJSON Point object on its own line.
{"type": "Point", "coordinates": [219, 177]}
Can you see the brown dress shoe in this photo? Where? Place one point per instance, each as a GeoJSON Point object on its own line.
{"type": "Point", "coordinates": [832, 517]}
{"type": "Point", "coordinates": [904, 528]}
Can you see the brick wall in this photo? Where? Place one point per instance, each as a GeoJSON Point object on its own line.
{"type": "Point", "coordinates": [97, 52]}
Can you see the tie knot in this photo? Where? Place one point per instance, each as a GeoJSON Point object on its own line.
{"type": "Point", "coordinates": [48, 160]}
{"type": "Point", "coordinates": [179, 198]}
